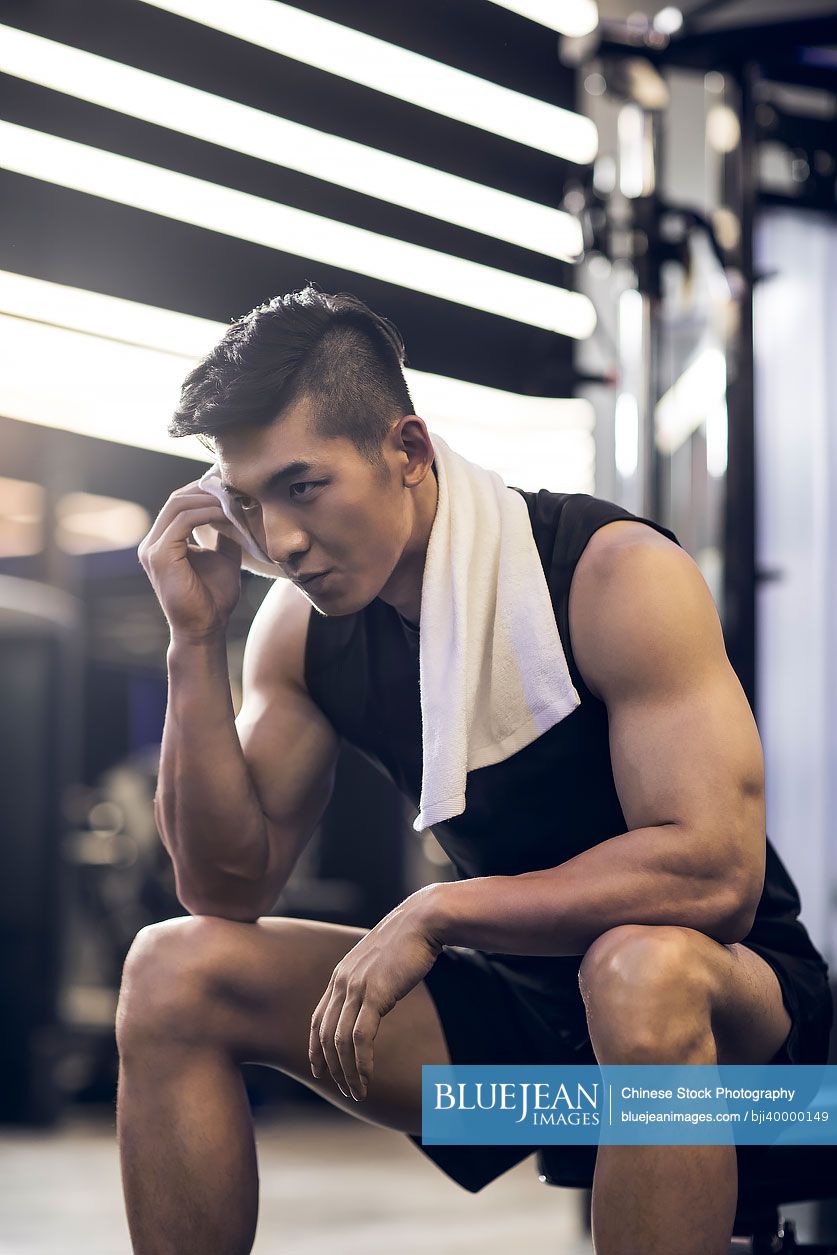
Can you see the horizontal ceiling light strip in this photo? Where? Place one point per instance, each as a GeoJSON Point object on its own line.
{"type": "Point", "coordinates": [247, 217]}
{"type": "Point", "coordinates": [109, 317]}
{"type": "Point", "coordinates": [567, 17]}
{"type": "Point", "coordinates": [78, 393]}
{"type": "Point", "coordinates": [186, 338]}
{"type": "Point", "coordinates": [397, 72]}
{"type": "Point", "coordinates": [86, 373]}
{"type": "Point", "coordinates": [243, 129]}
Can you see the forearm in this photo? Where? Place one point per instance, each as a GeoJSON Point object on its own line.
{"type": "Point", "coordinates": [653, 875]}
{"type": "Point", "coordinates": [208, 812]}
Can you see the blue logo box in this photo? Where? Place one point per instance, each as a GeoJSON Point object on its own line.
{"type": "Point", "coordinates": [629, 1105]}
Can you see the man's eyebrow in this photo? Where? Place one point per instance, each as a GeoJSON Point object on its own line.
{"type": "Point", "coordinates": [284, 472]}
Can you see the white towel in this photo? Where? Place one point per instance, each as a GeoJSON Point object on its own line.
{"type": "Point", "coordinates": [253, 557]}
{"type": "Point", "coordinates": [492, 670]}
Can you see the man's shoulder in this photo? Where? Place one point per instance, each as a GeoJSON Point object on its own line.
{"type": "Point", "coordinates": [590, 526]}
{"type": "Point", "coordinates": [625, 578]}
{"type": "Point", "coordinates": [575, 510]}
{"type": "Point", "coordinates": [278, 633]}
{"type": "Point", "coordinates": [571, 526]}
{"type": "Point", "coordinates": [612, 539]}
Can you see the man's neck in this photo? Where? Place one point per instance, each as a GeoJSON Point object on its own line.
{"type": "Point", "coordinates": [403, 591]}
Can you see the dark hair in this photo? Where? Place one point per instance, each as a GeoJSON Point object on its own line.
{"type": "Point", "coordinates": [328, 347]}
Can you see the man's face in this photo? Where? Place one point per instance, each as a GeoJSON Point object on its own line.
{"type": "Point", "coordinates": [339, 515]}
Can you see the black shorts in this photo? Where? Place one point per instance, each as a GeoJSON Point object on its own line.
{"type": "Point", "coordinates": [486, 1020]}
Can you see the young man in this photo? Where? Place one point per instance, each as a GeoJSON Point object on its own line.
{"type": "Point", "coordinates": [611, 901]}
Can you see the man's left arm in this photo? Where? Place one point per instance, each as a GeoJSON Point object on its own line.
{"type": "Point", "coordinates": [689, 773]}
{"type": "Point", "coordinates": [687, 764]}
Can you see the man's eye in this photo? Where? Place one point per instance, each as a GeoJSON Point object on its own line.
{"type": "Point", "coordinates": [311, 483]}
{"type": "Point", "coordinates": [241, 502]}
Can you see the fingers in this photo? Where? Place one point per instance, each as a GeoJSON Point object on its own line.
{"type": "Point", "coordinates": [315, 1049]}
{"type": "Point", "coordinates": [344, 1042]}
{"type": "Point", "coordinates": [187, 496]}
{"type": "Point", "coordinates": [328, 1028]}
{"type": "Point", "coordinates": [365, 1032]}
{"type": "Point", "coordinates": [180, 526]}
{"type": "Point", "coordinates": [342, 1032]}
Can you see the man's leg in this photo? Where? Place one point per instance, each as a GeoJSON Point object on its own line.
{"type": "Point", "coordinates": [663, 994]}
{"type": "Point", "coordinates": [200, 996]}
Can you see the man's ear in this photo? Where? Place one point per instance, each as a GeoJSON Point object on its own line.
{"type": "Point", "coordinates": [415, 440]}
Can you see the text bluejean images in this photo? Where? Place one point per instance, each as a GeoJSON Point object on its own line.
{"type": "Point", "coordinates": [644, 1104]}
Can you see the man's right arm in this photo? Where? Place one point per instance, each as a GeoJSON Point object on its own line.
{"type": "Point", "coordinates": [239, 798]}
{"type": "Point", "coordinates": [235, 804]}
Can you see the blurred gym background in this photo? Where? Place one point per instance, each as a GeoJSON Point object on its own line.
{"type": "Point", "coordinates": [608, 238]}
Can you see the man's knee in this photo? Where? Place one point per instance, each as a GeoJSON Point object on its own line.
{"type": "Point", "coordinates": [172, 973]}
{"type": "Point", "coordinates": [646, 989]}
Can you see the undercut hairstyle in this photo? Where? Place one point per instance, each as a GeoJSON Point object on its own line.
{"type": "Point", "coordinates": [330, 348]}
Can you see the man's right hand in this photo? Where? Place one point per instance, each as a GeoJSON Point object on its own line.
{"type": "Point", "coordinates": [197, 588]}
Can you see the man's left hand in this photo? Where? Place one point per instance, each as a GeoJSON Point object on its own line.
{"type": "Point", "coordinates": [382, 968]}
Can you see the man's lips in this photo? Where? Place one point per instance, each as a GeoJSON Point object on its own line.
{"type": "Point", "coordinates": [305, 580]}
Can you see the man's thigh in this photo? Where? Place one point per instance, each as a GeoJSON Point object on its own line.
{"type": "Point", "coordinates": [749, 1019]}
{"type": "Point", "coordinates": [258, 986]}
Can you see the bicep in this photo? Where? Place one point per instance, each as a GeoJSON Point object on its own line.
{"type": "Point", "coordinates": [690, 755]}
{"type": "Point", "coordinates": [288, 744]}
{"type": "Point", "coordinates": [684, 746]}
{"type": "Point", "coordinates": [291, 751]}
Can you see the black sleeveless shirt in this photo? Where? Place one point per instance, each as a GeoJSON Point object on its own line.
{"type": "Point", "coordinates": [545, 804]}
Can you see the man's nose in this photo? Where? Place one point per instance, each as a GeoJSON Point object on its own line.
{"type": "Point", "coordinates": [285, 542]}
